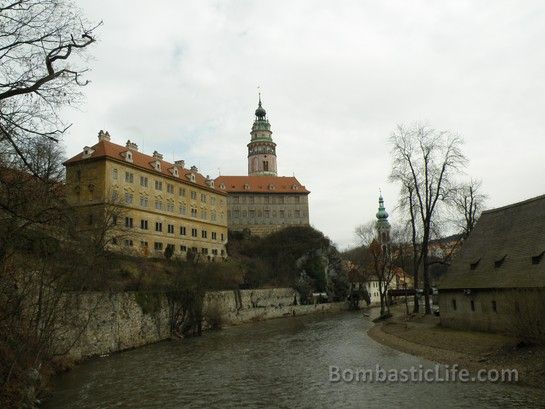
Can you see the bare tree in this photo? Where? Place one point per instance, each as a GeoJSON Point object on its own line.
{"type": "Point", "coordinates": [409, 203]}
{"type": "Point", "coordinates": [424, 161]}
{"type": "Point", "coordinates": [42, 45]}
{"type": "Point", "coordinates": [468, 202]}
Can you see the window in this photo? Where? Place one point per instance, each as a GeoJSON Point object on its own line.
{"type": "Point", "coordinates": [114, 219]}
{"type": "Point", "coordinates": [494, 306]}
{"type": "Point", "coordinates": [193, 195]}
{"type": "Point", "coordinates": [223, 252]}
{"type": "Point", "coordinates": [128, 198]}
{"type": "Point", "coordinates": [144, 224]}
{"type": "Point", "coordinates": [170, 188]}
{"type": "Point", "coordinates": [498, 263]}
{"type": "Point", "coordinates": [266, 214]}
{"type": "Point", "coordinates": [297, 213]}
{"type": "Point", "coordinates": [158, 185]}
{"type": "Point", "coordinates": [454, 305]}
{"type": "Point", "coordinates": [143, 181]}
{"type": "Point", "coordinates": [115, 195]}
{"type": "Point", "coordinates": [158, 246]}
{"type": "Point", "coordinates": [213, 215]}
{"type": "Point", "coordinates": [265, 166]}
{"type": "Point", "coordinates": [128, 222]}
{"type": "Point", "coordinates": [114, 174]}
{"type": "Point", "coordinates": [170, 228]}
{"type": "Point", "coordinates": [215, 252]}
{"type": "Point", "coordinates": [235, 199]}
{"type": "Point", "coordinates": [537, 259]}
{"type": "Point", "coordinates": [183, 209]}
{"type": "Point", "coordinates": [214, 235]}
{"type": "Point", "coordinates": [128, 243]}
{"type": "Point", "coordinates": [143, 201]}
{"type": "Point", "coordinates": [114, 240]}
{"type": "Point", "coordinates": [204, 250]}
{"type": "Point", "coordinates": [222, 237]}
{"type": "Point", "coordinates": [281, 214]}
{"type": "Point", "coordinates": [158, 205]}
{"type": "Point", "coordinates": [213, 200]}
{"type": "Point", "coordinates": [183, 249]}
{"type": "Point", "coordinates": [472, 305]}
{"type": "Point", "coordinates": [203, 198]}
{"type": "Point", "coordinates": [193, 232]}
{"type": "Point", "coordinates": [193, 212]}
{"type": "Point", "coordinates": [170, 207]}
{"type": "Point", "coordinates": [204, 234]}
{"type": "Point", "coordinates": [144, 244]}
{"type": "Point", "coordinates": [182, 230]}
{"type": "Point", "coordinates": [129, 177]}
{"type": "Point", "coordinates": [297, 199]}
{"type": "Point", "coordinates": [158, 226]}
{"type": "Point", "coordinates": [182, 191]}
{"type": "Point", "coordinates": [204, 214]}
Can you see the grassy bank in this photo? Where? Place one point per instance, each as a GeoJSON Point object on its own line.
{"type": "Point", "coordinates": [424, 336]}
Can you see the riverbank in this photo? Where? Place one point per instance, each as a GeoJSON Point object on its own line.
{"type": "Point", "coordinates": [423, 336]}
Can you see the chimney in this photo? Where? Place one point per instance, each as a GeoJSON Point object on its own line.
{"type": "Point", "coordinates": [132, 146]}
{"type": "Point", "coordinates": [180, 163]}
{"type": "Point", "coordinates": [103, 136]}
{"type": "Point", "coordinates": [157, 155]}
{"type": "Point", "coordinates": [194, 169]}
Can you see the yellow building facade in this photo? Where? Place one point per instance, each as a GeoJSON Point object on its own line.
{"type": "Point", "coordinates": [148, 203]}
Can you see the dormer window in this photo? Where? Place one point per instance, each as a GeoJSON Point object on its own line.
{"type": "Point", "coordinates": [537, 259]}
{"type": "Point", "coordinates": [222, 186]}
{"type": "Point", "coordinates": [157, 165]}
{"type": "Point", "coordinates": [128, 156]}
{"type": "Point", "coordinates": [246, 186]}
{"type": "Point", "coordinates": [498, 263]}
{"type": "Point", "coordinates": [271, 187]}
{"type": "Point", "coordinates": [175, 172]}
{"type": "Point", "coordinates": [192, 177]}
{"type": "Point", "coordinates": [87, 151]}
{"type": "Point", "coordinates": [294, 187]}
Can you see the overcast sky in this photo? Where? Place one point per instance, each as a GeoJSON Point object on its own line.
{"type": "Point", "coordinates": [336, 77]}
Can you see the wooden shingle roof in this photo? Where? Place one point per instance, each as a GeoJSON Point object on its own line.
{"type": "Point", "coordinates": [503, 250]}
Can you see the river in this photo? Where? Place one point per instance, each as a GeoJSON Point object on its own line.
{"type": "Point", "coordinates": [281, 363]}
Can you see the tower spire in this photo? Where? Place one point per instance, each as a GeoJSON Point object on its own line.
{"type": "Point", "coordinates": [261, 149]}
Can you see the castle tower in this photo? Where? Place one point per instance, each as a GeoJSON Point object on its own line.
{"type": "Point", "coordinates": [261, 149]}
{"type": "Point", "coordinates": [383, 225]}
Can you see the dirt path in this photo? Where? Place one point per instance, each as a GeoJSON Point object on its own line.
{"type": "Point", "coordinates": [424, 337]}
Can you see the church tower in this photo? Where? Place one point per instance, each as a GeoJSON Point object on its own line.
{"type": "Point", "coordinates": [261, 149]}
{"type": "Point", "coordinates": [383, 225]}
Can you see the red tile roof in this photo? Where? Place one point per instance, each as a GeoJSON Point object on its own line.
{"type": "Point", "coordinates": [107, 149]}
{"type": "Point", "coordinates": [260, 184]}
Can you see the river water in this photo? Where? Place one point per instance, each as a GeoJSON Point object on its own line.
{"type": "Point", "coordinates": [281, 363]}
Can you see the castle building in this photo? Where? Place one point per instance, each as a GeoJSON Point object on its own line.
{"type": "Point", "coordinates": [263, 202]}
{"type": "Point", "coordinates": [150, 203]}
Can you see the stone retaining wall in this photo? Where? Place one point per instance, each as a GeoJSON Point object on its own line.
{"type": "Point", "coordinates": [119, 321]}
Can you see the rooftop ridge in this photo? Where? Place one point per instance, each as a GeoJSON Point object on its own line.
{"type": "Point", "coordinates": [513, 205]}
